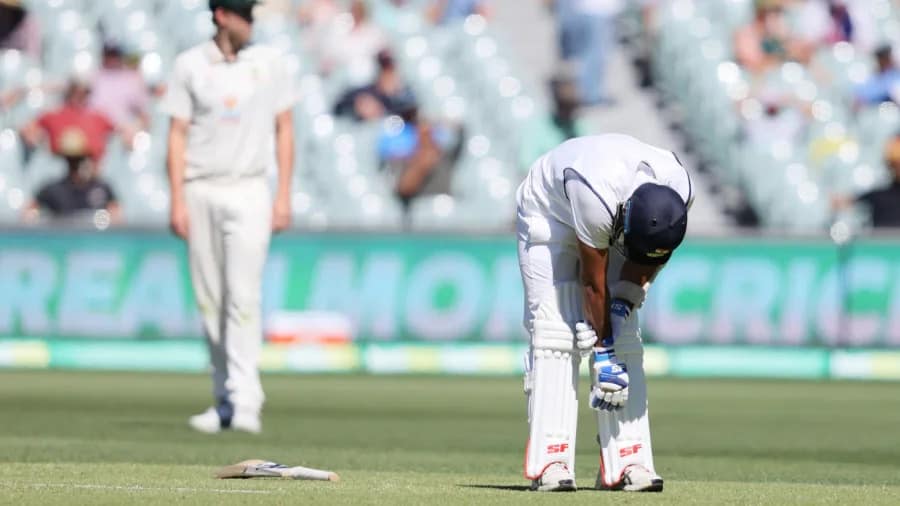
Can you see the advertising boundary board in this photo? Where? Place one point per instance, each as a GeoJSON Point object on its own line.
{"type": "Point", "coordinates": [466, 359]}
{"type": "Point", "coordinates": [450, 289]}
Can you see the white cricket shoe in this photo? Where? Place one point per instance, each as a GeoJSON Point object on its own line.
{"type": "Point", "coordinates": [246, 422]}
{"type": "Point", "coordinates": [209, 422]}
{"type": "Point", "coordinates": [556, 478]}
{"type": "Point", "coordinates": [635, 478]}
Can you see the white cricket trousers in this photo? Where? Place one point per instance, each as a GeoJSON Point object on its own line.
{"type": "Point", "coordinates": [229, 231]}
{"type": "Point", "coordinates": [548, 258]}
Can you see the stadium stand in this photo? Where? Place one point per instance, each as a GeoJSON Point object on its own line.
{"type": "Point", "coordinates": [839, 144]}
{"type": "Point", "coordinates": [462, 82]}
{"type": "Point", "coordinates": [478, 106]}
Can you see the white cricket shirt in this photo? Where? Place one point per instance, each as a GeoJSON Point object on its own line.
{"type": "Point", "coordinates": [231, 107]}
{"type": "Point", "coordinates": [583, 183]}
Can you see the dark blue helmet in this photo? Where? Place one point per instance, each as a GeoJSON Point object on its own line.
{"type": "Point", "coordinates": [654, 224]}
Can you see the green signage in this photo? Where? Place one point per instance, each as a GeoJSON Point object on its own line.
{"type": "Point", "coordinates": [778, 292]}
{"type": "Point", "coordinates": [440, 289]}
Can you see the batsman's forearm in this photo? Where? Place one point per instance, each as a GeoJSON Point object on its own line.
{"type": "Point", "coordinates": [284, 153]}
{"type": "Point", "coordinates": [594, 264]}
{"type": "Point", "coordinates": [596, 308]}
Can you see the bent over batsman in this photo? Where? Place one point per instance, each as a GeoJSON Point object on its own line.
{"type": "Point", "coordinates": [598, 217]}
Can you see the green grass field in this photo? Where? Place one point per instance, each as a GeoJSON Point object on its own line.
{"type": "Point", "coordinates": [110, 438]}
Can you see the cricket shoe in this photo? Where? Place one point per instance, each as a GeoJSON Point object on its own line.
{"type": "Point", "coordinates": [635, 478]}
{"type": "Point", "coordinates": [555, 478]}
{"type": "Point", "coordinates": [211, 421]}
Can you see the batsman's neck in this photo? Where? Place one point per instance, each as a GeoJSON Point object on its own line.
{"type": "Point", "coordinates": [228, 44]}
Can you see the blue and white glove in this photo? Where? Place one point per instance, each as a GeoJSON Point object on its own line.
{"type": "Point", "coordinates": [609, 389]}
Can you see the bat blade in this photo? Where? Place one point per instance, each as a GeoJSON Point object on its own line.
{"type": "Point", "coordinates": [256, 468]}
{"type": "Point", "coordinates": [308, 473]}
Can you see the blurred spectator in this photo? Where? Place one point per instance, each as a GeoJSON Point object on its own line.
{"type": "Point", "coordinates": [417, 153]}
{"type": "Point", "coordinates": [19, 29]}
{"type": "Point", "coordinates": [386, 95]}
{"type": "Point", "coordinates": [441, 12]}
{"type": "Point", "coordinates": [883, 204]}
{"type": "Point", "coordinates": [118, 91]}
{"type": "Point", "coordinates": [586, 38]}
{"type": "Point", "coordinates": [826, 22]}
{"type": "Point", "coordinates": [353, 38]}
{"type": "Point", "coordinates": [273, 8]}
{"type": "Point", "coordinates": [315, 18]}
{"type": "Point", "coordinates": [562, 123]}
{"type": "Point", "coordinates": [643, 48]}
{"type": "Point", "coordinates": [776, 119]}
{"type": "Point", "coordinates": [765, 41]}
{"type": "Point", "coordinates": [884, 85]}
{"type": "Point", "coordinates": [313, 13]}
{"type": "Point", "coordinates": [74, 117]}
{"type": "Point", "coordinates": [79, 190]}
{"type": "Point", "coordinates": [650, 14]}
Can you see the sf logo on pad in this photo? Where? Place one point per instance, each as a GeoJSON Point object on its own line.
{"type": "Point", "coordinates": [629, 450]}
{"type": "Point", "coordinates": [558, 448]}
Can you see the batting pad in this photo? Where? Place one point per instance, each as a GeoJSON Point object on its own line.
{"type": "Point", "coordinates": [624, 433]}
{"type": "Point", "coordinates": [551, 384]}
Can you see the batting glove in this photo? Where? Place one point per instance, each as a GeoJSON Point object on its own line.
{"type": "Point", "coordinates": [610, 385]}
{"type": "Point", "coordinates": [585, 337]}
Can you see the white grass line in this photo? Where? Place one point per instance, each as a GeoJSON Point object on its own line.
{"type": "Point", "coordinates": [133, 488]}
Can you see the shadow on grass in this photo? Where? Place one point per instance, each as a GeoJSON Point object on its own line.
{"type": "Point", "coordinates": [138, 424]}
{"type": "Point", "coordinates": [507, 488]}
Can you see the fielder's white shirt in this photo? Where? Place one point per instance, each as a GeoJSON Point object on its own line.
{"type": "Point", "coordinates": [583, 183]}
{"type": "Point", "coordinates": [231, 107]}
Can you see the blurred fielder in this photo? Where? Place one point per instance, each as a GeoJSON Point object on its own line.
{"type": "Point", "coordinates": [227, 99]}
{"type": "Point", "coordinates": [598, 217]}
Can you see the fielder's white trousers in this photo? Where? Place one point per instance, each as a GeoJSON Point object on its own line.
{"type": "Point", "coordinates": [229, 231]}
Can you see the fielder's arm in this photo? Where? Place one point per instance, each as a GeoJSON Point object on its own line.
{"type": "Point", "coordinates": [176, 166]}
{"type": "Point", "coordinates": [284, 154]}
{"type": "Point", "coordinates": [594, 263]}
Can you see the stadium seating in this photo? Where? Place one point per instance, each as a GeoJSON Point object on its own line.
{"type": "Point", "coordinates": [462, 78]}
{"type": "Point", "coordinates": [788, 185]}
{"type": "Point", "coordinates": [12, 186]}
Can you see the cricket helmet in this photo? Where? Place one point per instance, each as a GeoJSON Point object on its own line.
{"type": "Point", "coordinates": [655, 221]}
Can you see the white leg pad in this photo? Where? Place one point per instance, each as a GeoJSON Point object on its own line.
{"type": "Point", "coordinates": [551, 386]}
{"type": "Point", "coordinates": [624, 434]}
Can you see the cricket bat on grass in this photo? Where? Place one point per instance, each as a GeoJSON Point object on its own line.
{"type": "Point", "coordinates": [266, 469]}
